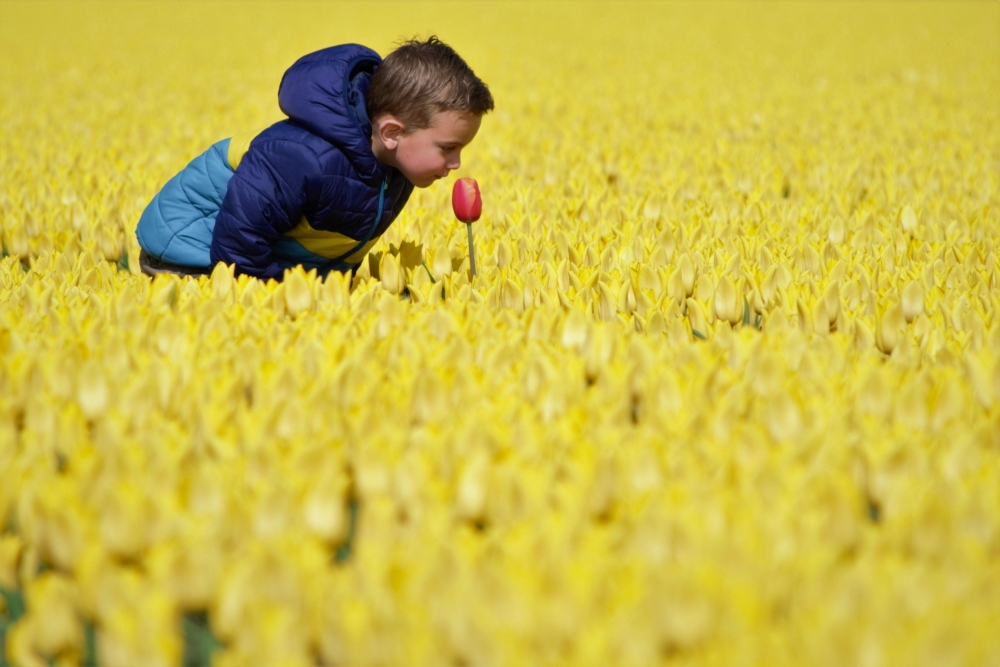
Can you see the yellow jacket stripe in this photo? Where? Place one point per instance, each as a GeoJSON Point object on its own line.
{"type": "Point", "coordinates": [328, 244]}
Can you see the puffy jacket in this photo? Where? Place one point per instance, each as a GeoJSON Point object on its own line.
{"type": "Point", "coordinates": [306, 190]}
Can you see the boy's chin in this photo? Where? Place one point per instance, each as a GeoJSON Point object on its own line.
{"type": "Point", "coordinates": [424, 183]}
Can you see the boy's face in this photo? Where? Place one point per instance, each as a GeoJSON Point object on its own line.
{"type": "Point", "coordinates": [425, 155]}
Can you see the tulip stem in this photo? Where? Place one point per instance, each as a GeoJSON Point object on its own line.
{"type": "Point", "coordinates": [472, 254]}
{"type": "Point", "coordinates": [424, 264]}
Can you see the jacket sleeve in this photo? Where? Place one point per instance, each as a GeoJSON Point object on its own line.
{"type": "Point", "coordinates": [265, 197]}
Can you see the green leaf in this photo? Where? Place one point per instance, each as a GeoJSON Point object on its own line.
{"type": "Point", "coordinates": [199, 642]}
{"type": "Point", "coordinates": [13, 610]}
{"type": "Point", "coordinates": [14, 603]}
{"type": "Point", "coordinates": [90, 646]}
{"type": "Point", "coordinates": [344, 551]}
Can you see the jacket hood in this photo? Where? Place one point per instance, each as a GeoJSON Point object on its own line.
{"type": "Point", "coordinates": [325, 92]}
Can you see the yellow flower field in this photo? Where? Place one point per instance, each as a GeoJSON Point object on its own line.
{"type": "Point", "coordinates": [726, 390]}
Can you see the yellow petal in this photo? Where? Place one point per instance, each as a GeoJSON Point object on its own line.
{"type": "Point", "coordinates": [837, 232]}
{"type": "Point", "coordinates": [298, 294]}
{"type": "Point", "coordinates": [92, 390]}
{"type": "Point", "coordinates": [575, 332]}
{"type": "Point", "coordinates": [391, 275]}
{"type": "Point", "coordinates": [10, 552]}
{"type": "Point", "coordinates": [696, 316]}
{"type": "Point", "coordinates": [908, 219]}
{"type": "Point", "coordinates": [890, 326]}
{"type": "Point", "coordinates": [725, 302]}
{"type": "Point", "coordinates": [783, 417]}
{"type": "Point", "coordinates": [512, 296]}
{"type": "Point", "coordinates": [51, 599]}
{"type": "Point", "coordinates": [687, 274]}
{"type": "Point", "coordinates": [913, 300]}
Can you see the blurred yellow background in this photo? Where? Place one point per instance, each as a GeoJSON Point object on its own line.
{"type": "Point", "coordinates": [725, 390]}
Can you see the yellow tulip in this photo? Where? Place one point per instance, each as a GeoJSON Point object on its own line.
{"type": "Point", "coordinates": [298, 293]}
{"type": "Point", "coordinates": [908, 220]}
{"type": "Point", "coordinates": [913, 300]}
{"type": "Point", "coordinates": [687, 274]}
{"type": "Point", "coordinates": [889, 328]}
{"type": "Point", "coordinates": [223, 283]}
{"type": "Point", "coordinates": [390, 273]}
{"type": "Point", "coordinates": [52, 614]}
{"type": "Point", "coordinates": [726, 303]}
{"type": "Point", "coordinates": [92, 390]}
{"type": "Point", "coordinates": [10, 552]}
{"type": "Point", "coordinates": [783, 417]}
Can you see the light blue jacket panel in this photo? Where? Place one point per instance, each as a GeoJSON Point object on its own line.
{"type": "Point", "coordinates": [177, 225]}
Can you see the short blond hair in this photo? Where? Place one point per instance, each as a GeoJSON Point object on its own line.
{"type": "Point", "coordinates": [421, 78]}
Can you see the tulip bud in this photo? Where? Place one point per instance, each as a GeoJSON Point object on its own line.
{"type": "Point", "coordinates": [466, 200]}
{"type": "Point", "coordinates": [468, 206]}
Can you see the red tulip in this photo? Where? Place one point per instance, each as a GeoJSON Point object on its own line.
{"type": "Point", "coordinates": [466, 200]}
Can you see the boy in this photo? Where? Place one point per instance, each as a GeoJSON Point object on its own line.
{"type": "Point", "coordinates": [319, 188]}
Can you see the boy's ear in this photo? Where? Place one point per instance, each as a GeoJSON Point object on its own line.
{"type": "Point", "coordinates": [389, 128]}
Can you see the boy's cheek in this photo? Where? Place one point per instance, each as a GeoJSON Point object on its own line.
{"type": "Point", "coordinates": [429, 168]}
